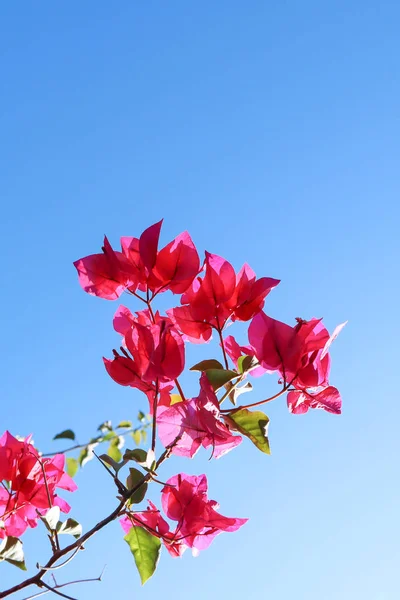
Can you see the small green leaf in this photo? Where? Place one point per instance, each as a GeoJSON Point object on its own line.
{"type": "Point", "coordinates": [109, 436]}
{"type": "Point", "coordinates": [70, 527]}
{"type": "Point", "coordinates": [253, 425]}
{"type": "Point", "coordinates": [11, 550]}
{"type": "Point", "coordinates": [141, 416]}
{"type": "Point", "coordinates": [219, 377]}
{"type": "Point", "coordinates": [204, 365]}
{"type": "Point", "coordinates": [110, 462]}
{"type": "Point", "coordinates": [246, 363]}
{"type": "Point", "coordinates": [235, 393]}
{"type": "Point", "coordinates": [132, 481]}
{"type": "Point", "coordinates": [145, 548]}
{"type": "Point", "coordinates": [86, 454]}
{"type": "Point", "coordinates": [113, 450]}
{"type": "Point", "coordinates": [137, 455]}
{"type": "Point", "coordinates": [68, 434]}
{"type": "Point", "coordinates": [106, 426]}
{"type": "Point", "coordinates": [125, 424]}
{"type": "Point", "coordinates": [144, 435]}
{"type": "Point", "coordinates": [72, 466]}
{"type": "Point", "coordinates": [50, 519]}
{"type": "Point", "coordinates": [137, 437]}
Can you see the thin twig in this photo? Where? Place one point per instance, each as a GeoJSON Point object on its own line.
{"type": "Point", "coordinates": [55, 591]}
{"type": "Point", "coordinates": [99, 441]}
{"type": "Point", "coordinates": [180, 390]}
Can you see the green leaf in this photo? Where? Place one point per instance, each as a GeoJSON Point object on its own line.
{"type": "Point", "coordinates": [86, 454]}
{"type": "Point", "coordinates": [110, 462]}
{"type": "Point", "coordinates": [11, 550]}
{"type": "Point", "coordinates": [106, 426]}
{"type": "Point", "coordinates": [137, 437]}
{"type": "Point", "coordinates": [125, 424]}
{"type": "Point", "coordinates": [72, 466]}
{"type": "Point", "coordinates": [204, 365]}
{"type": "Point", "coordinates": [234, 395]}
{"type": "Point", "coordinates": [246, 363]}
{"type": "Point", "coordinates": [144, 435]}
{"type": "Point", "coordinates": [137, 455]}
{"type": "Point", "coordinates": [132, 481]}
{"type": "Point", "coordinates": [145, 548]}
{"type": "Point", "coordinates": [253, 425]}
{"type": "Point", "coordinates": [70, 527]}
{"type": "Point", "coordinates": [50, 519]}
{"type": "Point", "coordinates": [141, 416]}
{"type": "Point", "coordinates": [219, 377]}
{"type": "Point", "coordinates": [68, 434]}
{"type": "Point", "coordinates": [114, 448]}
{"type": "Point", "coordinates": [109, 436]}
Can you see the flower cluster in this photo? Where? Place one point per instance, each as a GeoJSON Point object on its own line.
{"type": "Point", "coordinates": [28, 485]}
{"type": "Point", "coordinates": [151, 358]}
{"type": "Point", "coordinates": [184, 499]}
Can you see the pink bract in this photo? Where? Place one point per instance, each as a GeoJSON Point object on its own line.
{"type": "Point", "coordinates": [32, 479]}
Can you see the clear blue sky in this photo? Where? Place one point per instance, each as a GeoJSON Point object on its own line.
{"type": "Point", "coordinates": [269, 130]}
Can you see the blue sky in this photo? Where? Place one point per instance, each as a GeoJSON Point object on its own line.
{"type": "Point", "coordinates": [269, 130]}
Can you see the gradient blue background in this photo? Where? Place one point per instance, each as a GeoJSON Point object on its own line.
{"type": "Point", "coordinates": [269, 130]}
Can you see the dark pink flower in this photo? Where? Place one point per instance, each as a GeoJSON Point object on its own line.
{"type": "Point", "coordinates": [31, 479]}
{"type": "Point", "coordinates": [106, 275]}
{"type": "Point", "coordinates": [184, 499]}
{"type": "Point", "coordinates": [299, 401]}
{"type": "Point", "coordinates": [299, 354]}
{"type": "Point", "coordinates": [209, 302]}
{"type": "Point", "coordinates": [152, 520]}
{"type": "Point", "coordinates": [140, 266]}
{"type": "Point", "coordinates": [156, 353]}
{"type": "Point", "coordinates": [197, 422]}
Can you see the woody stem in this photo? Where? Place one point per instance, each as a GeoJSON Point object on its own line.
{"type": "Point", "coordinates": [282, 391]}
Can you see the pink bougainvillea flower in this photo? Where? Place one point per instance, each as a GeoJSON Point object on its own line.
{"type": "Point", "coordinates": [152, 355]}
{"type": "Point", "coordinates": [299, 401]}
{"type": "Point", "coordinates": [184, 499]}
{"type": "Point", "coordinates": [250, 293]}
{"type": "Point", "coordinates": [140, 266]}
{"type": "Point", "coordinates": [197, 423]}
{"type": "Point", "coordinates": [152, 520]}
{"type": "Point", "coordinates": [176, 265]}
{"type": "Point", "coordinates": [299, 353]}
{"type": "Point", "coordinates": [209, 302]}
{"type": "Point", "coordinates": [106, 275]}
{"type": "Point", "coordinates": [31, 479]}
{"type": "Point", "coordinates": [194, 331]}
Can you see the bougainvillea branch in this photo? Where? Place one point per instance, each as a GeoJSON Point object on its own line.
{"type": "Point", "coordinates": [150, 357]}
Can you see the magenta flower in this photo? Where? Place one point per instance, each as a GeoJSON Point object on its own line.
{"type": "Point", "coordinates": [299, 401]}
{"type": "Point", "coordinates": [219, 296]}
{"type": "Point", "coordinates": [153, 351]}
{"type": "Point", "coordinates": [31, 480]}
{"type": "Point", "coordinates": [197, 422]}
{"type": "Point", "coordinates": [300, 354]}
{"type": "Point", "coordinates": [184, 499]}
{"type": "Point", "coordinates": [140, 266]}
